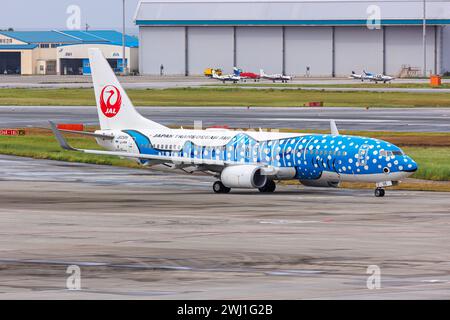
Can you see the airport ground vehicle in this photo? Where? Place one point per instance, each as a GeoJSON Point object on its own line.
{"type": "Point", "coordinates": [209, 72]}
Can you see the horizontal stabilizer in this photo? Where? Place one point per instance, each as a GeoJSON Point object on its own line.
{"type": "Point", "coordinates": [89, 134]}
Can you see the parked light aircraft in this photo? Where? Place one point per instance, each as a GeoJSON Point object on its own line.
{"type": "Point", "coordinates": [237, 159]}
{"type": "Point", "coordinates": [274, 77]}
{"type": "Point", "coordinates": [372, 77]}
{"type": "Point", "coordinates": [228, 77]}
{"type": "Point", "coordinates": [358, 76]}
{"type": "Point", "coordinates": [246, 75]}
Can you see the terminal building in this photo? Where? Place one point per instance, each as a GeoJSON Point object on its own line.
{"type": "Point", "coordinates": [63, 52]}
{"type": "Point", "coordinates": [302, 38]}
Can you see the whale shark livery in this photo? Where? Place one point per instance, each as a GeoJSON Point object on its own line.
{"type": "Point", "coordinates": [237, 159]}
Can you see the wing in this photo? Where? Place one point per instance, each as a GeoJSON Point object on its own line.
{"type": "Point", "coordinates": [179, 162]}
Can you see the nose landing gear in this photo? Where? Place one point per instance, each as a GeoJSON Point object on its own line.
{"type": "Point", "coordinates": [379, 192]}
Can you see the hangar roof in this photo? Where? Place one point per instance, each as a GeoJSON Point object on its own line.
{"type": "Point", "coordinates": [289, 12]}
{"type": "Point", "coordinates": [18, 46]}
{"type": "Point", "coordinates": [72, 37]}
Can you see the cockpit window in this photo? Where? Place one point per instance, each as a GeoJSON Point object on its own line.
{"type": "Point", "coordinates": [386, 153]}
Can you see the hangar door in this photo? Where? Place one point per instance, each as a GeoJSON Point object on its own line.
{"type": "Point", "coordinates": [162, 46]}
{"type": "Point", "coordinates": [10, 62]}
{"type": "Point", "coordinates": [259, 48]}
{"type": "Point", "coordinates": [358, 49]}
{"type": "Point", "coordinates": [210, 47]}
{"type": "Point", "coordinates": [404, 49]}
{"type": "Point", "coordinates": [71, 66]}
{"type": "Point", "coordinates": [309, 51]}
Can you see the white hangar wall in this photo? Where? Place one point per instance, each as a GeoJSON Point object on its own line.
{"type": "Point", "coordinates": [259, 48]}
{"type": "Point", "coordinates": [329, 37]}
{"type": "Point", "coordinates": [162, 46]}
{"type": "Point", "coordinates": [309, 47]}
{"type": "Point", "coordinates": [189, 50]}
{"type": "Point", "coordinates": [210, 47]}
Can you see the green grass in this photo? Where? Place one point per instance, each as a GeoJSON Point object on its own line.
{"type": "Point", "coordinates": [210, 96]}
{"type": "Point", "coordinates": [46, 147]}
{"type": "Point", "coordinates": [433, 161]}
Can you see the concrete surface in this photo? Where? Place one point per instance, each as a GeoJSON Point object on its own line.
{"type": "Point", "coordinates": [141, 234]}
{"type": "Point", "coordinates": [375, 119]}
{"type": "Point", "coordinates": [164, 82]}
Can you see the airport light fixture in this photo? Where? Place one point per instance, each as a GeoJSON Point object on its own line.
{"type": "Point", "coordinates": [124, 61]}
{"type": "Point", "coordinates": [424, 38]}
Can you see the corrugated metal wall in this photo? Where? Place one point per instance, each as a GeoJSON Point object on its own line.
{"type": "Point", "coordinates": [162, 45]}
{"type": "Point", "coordinates": [404, 47]}
{"type": "Point", "coordinates": [210, 47]}
{"type": "Point", "coordinates": [358, 49]}
{"type": "Point", "coordinates": [308, 47]}
{"type": "Point", "coordinates": [446, 49]}
{"type": "Point", "coordinates": [254, 48]}
{"type": "Point", "coordinates": [259, 48]}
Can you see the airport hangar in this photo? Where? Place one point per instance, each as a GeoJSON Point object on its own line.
{"type": "Point", "coordinates": [63, 52]}
{"type": "Point", "coordinates": [329, 37]}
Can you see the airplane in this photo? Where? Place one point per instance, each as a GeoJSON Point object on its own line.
{"type": "Point", "coordinates": [246, 75]}
{"type": "Point", "coordinates": [371, 77]}
{"type": "Point", "coordinates": [236, 159]}
{"type": "Point", "coordinates": [274, 77]}
{"type": "Point", "coordinates": [224, 78]}
{"type": "Point", "coordinates": [356, 76]}
{"type": "Point", "coordinates": [380, 78]}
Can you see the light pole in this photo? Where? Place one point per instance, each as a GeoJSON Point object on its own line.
{"type": "Point", "coordinates": [124, 61]}
{"type": "Point", "coordinates": [424, 39]}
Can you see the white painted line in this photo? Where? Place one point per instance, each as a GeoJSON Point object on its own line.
{"type": "Point", "coordinates": [326, 120]}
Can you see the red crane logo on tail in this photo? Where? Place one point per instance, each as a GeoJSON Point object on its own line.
{"type": "Point", "coordinates": [110, 101]}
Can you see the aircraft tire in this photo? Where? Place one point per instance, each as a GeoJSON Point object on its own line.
{"type": "Point", "coordinates": [219, 187]}
{"type": "Point", "coordinates": [379, 192]}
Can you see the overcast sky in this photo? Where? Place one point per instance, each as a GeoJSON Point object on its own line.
{"type": "Point", "coordinates": [51, 14]}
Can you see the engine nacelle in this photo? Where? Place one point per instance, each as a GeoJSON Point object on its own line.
{"type": "Point", "coordinates": [320, 183]}
{"type": "Point", "coordinates": [243, 176]}
{"type": "Point", "coordinates": [326, 180]}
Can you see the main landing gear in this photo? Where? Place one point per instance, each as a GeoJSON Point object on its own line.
{"type": "Point", "coordinates": [269, 187]}
{"type": "Point", "coordinates": [219, 187]}
{"type": "Point", "coordinates": [379, 192]}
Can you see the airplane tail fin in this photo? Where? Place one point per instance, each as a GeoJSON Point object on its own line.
{"type": "Point", "coordinates": [115, 110]}
{"type": "Point", "coordinates": [261, 72]}
{"type": "Point", "coordinates": [353, 72]}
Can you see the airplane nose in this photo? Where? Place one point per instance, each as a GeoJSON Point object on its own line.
{"type": "Point", "coordinates": [411, 165]}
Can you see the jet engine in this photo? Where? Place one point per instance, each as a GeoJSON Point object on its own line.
{"type": "Point", "coordinates": [243, 176]}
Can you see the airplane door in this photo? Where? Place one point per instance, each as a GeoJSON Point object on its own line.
{"type": "Point", "coordinates": [363, 155]}
{"type": "Point", "coordinates": [131, 144]}
{"type": "Point", "coordinates": [256, 152]}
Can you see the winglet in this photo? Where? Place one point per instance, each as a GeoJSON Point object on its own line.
{"type": "Point", "coordinates": [333, 128]}
{"type": "Point", "coordinates": [61, 140]}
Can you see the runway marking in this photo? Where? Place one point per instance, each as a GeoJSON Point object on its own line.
{"type": "Point", "coordinates": [286, 222]}
{"type": "Point", "coordinates": [293, 272]}
{"type": "Point", "coordinates": [144, 266]}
